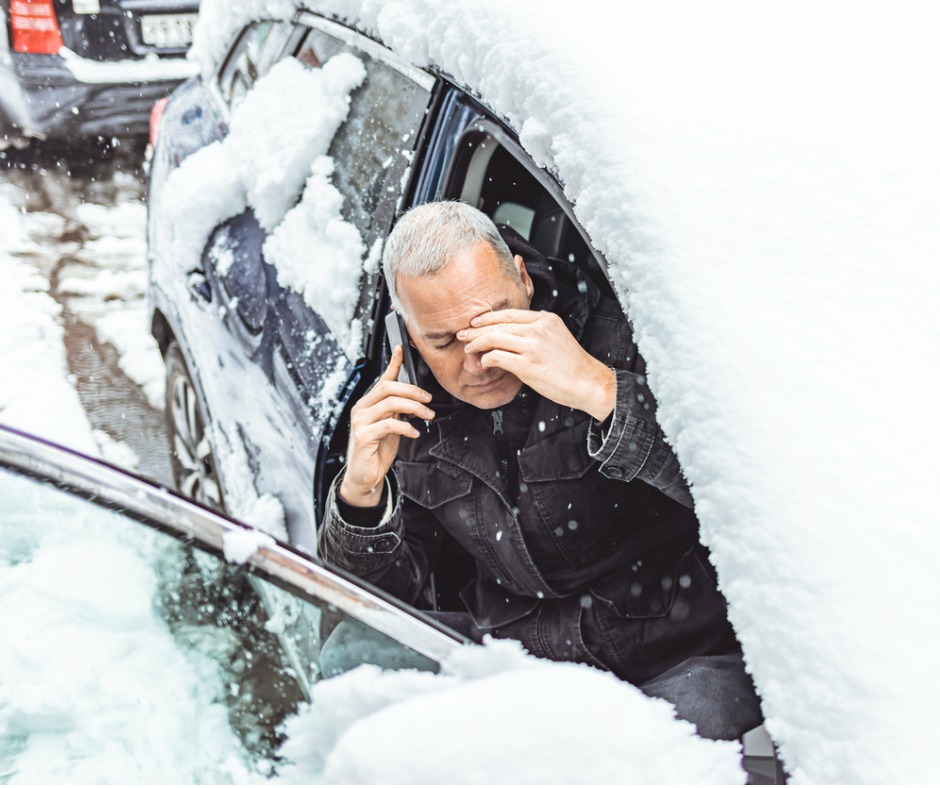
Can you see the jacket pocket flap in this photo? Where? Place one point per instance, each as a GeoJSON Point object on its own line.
{"type": "Point", "coordinates": [647, 589]}
{"type": "Point", "coordinates": [560, 456]}
{"type": "Point", "coordinates": [493, 607]}
{"type": "Point", "coordinates": [431, 486]}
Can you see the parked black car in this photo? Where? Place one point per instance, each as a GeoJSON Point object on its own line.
{"type": "Point", "coordinates": [87, 68]}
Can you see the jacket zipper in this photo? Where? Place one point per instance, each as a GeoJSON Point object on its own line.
{"type": "Point", "coordinates": [501, 445]}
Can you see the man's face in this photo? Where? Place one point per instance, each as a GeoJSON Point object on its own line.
{"type": "Point", "coordinates": [441, 304]}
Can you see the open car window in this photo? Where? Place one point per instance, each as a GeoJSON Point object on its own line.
{"type": "Point", "coordinates": [89, 590]}
{"type": "Point", "coordinates": [490, 171]}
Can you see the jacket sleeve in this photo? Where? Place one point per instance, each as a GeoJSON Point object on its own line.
{"type": "Point", "coordinates": [631, 444]}
{"type": "Point", "coordinates": [396, 555]}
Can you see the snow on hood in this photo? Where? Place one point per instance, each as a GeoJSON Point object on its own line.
{"type": "Point", "coordinates": [495, 715]}
{"type": "Point", "coordinates": [763, 182]}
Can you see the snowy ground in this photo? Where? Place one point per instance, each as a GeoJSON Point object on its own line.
{"type": "Point", "coordinates": [76, 232]}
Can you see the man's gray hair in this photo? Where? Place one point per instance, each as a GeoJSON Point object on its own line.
{"type": "Point", "coordinates": [428, 237]}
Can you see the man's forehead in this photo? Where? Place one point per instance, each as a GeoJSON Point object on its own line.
{"type": "Point", "coordinates": [441, 326]}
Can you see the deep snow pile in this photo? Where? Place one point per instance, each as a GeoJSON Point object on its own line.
{"type": "Point", "coordinates": [763, 183]}
{"type": "Point", "coordinates": [495, 715]}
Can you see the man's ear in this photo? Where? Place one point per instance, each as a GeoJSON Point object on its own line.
{"type": "Point", "coordinates": [524, 276]}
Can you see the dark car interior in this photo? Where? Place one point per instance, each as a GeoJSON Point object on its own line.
{"type": "Point", "coordinates": [489, 175]}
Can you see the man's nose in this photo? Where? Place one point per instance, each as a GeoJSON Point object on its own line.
{"type": "Point", "coordinates": [473, 363]}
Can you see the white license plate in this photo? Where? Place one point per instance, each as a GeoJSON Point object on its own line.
{"type": "Point", "coordinates": [167, 31]}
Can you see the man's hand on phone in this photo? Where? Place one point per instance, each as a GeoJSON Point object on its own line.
{"type": "Point", "coordinates": [538, 348]}
{"type": "Point", "coordinates": [375, 430]}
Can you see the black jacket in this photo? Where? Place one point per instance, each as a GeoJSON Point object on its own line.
{"type": "Point", "coordinates": [585, 543]}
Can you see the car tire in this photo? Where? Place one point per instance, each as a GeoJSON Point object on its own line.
{"type": "Point", "coordinates": [195, 471]}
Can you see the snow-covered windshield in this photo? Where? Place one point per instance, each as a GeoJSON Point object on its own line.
{"type": "Point", "coordinates": [98, 611]}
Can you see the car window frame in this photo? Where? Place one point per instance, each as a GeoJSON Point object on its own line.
{"type": "Point", "coordinates": [485, 126]}
{"type": "Point", "coordinates": [272, 49]}
{"type": "Point", "coordinates": [157, 507]}
{"type": "Point", "coordinates": [370, 46]}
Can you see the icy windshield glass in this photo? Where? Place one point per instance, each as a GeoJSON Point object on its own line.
{"type": "Point", "coordinates": [127, 653]}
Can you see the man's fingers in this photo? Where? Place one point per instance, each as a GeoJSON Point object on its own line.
{"type": "Point", "coordinates": [375, 432]}
{"type": "Point", "coordinates": [396, 406]}
{"type": "Point", "coordinates": [394, 366]}
{"type": "Point", "coordinates": [510, 362]}
{"type": "Point", "coordinates": [506, 316]}
{"type": "Point", "coordinates": [392, 387]}
{"type": "Point", "coordinates": [497, 339]}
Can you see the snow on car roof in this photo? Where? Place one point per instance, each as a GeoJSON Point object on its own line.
{"type": "Point", "coordinates": [763, 183]}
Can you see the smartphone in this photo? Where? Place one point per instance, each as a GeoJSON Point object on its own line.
{"type": "Point", "coordinates": [398, 335]}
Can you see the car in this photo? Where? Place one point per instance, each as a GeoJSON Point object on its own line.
{"type": "Point", "coordinates": [264, 362]}
{"type": "Point", "coordinates": [763, 225]}
{"type": "Point", "coordinates": [89, 68]}
{"type": "Point", "coordinates": [212, 629]}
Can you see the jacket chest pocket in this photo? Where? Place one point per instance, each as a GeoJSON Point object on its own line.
{"type": "Point", "coordinates": [432, 485]}
{"type": "Point", "coordinates": [558, 457]}
{"type": "Point", "coordinates": [649, 587]}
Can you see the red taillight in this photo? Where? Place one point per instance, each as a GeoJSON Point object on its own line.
{"type": "Point", "coordinates": [155, 114]}
{"type": "Point", "coordinates": [35, 27]}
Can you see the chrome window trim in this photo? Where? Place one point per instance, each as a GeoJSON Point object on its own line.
{"type": "Point", "coordinates": [371, 47]}
{"type": "Point", "coordinates": [156, 506]}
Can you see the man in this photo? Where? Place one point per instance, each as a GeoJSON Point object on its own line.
{"type": "Point", "coordinates": [532, 441]}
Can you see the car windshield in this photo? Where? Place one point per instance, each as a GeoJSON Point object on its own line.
{"type": "Point", "coordinates": [128, 651]}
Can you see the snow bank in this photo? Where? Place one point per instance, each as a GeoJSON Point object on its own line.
{"type": "Point", "coordinates": [495, 716]}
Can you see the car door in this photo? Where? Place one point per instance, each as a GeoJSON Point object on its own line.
{"type": "Point", "coordinates": [275, 317]}
{"type": "Point", "coordinates": [323, 308]}
{"type": "Point", "coordinates": [147, 639]}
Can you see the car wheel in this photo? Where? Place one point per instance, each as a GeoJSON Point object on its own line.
{"type": "Point", "coordinates": [194, 466]}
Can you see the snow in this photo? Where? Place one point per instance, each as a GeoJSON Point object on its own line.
{"type": "Point", "coordinates": [763, 184]}
{"type": "Point", "coordinates": [241, 496]}
{"type": "Point", "coordinates": [29, 325]}
{"type": "Point", "coordinates": [478, 722]}
{"type": "Point", "coordinates": [239, 546]}
{"type": "Point", "coordinates": [314, 251]}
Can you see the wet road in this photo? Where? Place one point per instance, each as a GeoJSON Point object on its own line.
{"type": "Point", "coordinates": [52, 184]}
